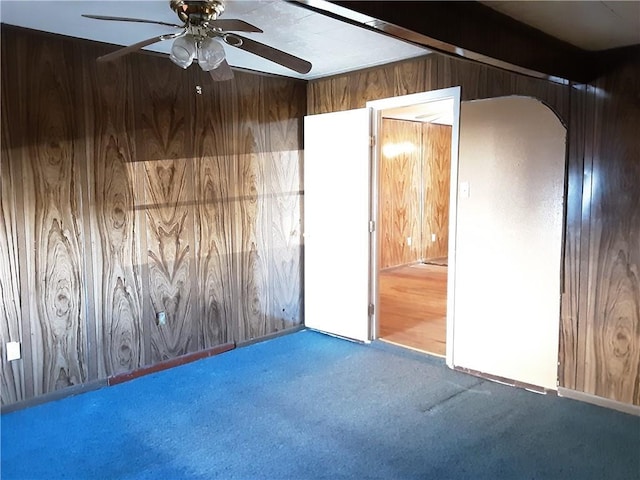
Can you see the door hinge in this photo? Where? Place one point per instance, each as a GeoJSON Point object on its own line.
{"type": "Point", "coordinates": [371, 309]}
{"type": "Point", "coordinates": [372, 140]}
{"type": "Point", "coordinates": [372, 226]}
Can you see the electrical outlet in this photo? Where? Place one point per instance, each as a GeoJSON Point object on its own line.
{"type": "Point", "coordinates": [433, 237]}
{"type": "Point", "coordinates": [13, 351]}
{"type": "Point", "coordinates": [161, 318]}
{"type": "Point", "coordinates": [409, 241]}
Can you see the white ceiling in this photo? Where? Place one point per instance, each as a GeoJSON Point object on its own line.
{"type": "Point", "coordinates": [590, 25]}
{"type": "Point", "coordinates": [332, 46]}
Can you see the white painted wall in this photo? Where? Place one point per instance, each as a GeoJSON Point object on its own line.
{"type": "Point", "coordinates": [509, 239]}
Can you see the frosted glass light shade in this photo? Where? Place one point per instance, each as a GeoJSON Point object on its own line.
{"type": "Point", "coordinates": [210, 54]}
{"type": "Point", "coordinates": [183, 51]}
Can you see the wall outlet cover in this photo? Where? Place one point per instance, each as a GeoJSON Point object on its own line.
{"type": "Point", "coordinates": [13, 351]}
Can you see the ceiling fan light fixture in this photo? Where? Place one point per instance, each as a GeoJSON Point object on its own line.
{"type": "Point", "coordinates": [210, 54]}
{"type": "Point", "coordinates": [183, 51]}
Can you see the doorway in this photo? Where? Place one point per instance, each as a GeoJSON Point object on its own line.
{"type": "Point", "coordinates": [413, 193]}
{"type": "Point", "coordinates": [414, 205]}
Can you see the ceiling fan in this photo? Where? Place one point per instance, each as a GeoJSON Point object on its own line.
{"type": "Point", "coordinates": [201, 36]}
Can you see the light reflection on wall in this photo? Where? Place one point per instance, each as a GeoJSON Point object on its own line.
{"type": "Point", "coordinates": [391, 150]}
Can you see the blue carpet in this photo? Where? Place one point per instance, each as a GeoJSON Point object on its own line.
{"type": "Point", "coordinates": [309, 406]}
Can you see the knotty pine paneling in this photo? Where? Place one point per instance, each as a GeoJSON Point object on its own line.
{"type": "Point", "coordinates": [163, 126]}
{"type": "Point", "coordinates": [113, 216]}
{"type": "Point", "coordinates": [401, 193]}
{"type": "Point", "coordinates": [52, 192]}
{"type": "Point", "coordinates": [436, 158]}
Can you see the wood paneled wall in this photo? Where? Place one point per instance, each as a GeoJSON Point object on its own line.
{"type": "Point", "coordinates": [436, 160]}
{"type": "Point", "coordinates": [600, 319]}
{"type": "Point", "coordinates": [600, 334]}
{"type": "Point", "coordinates": [124, 194]}
{"type": "Point", "coordinates": [414, 172]}
{"type": "Point", "coordinates": [401, 193]}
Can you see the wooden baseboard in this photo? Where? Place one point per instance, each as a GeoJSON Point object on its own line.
{"type": "Point", "coordinates": [280, 333]}
{"type": "Point", "coordinates": [57, 395]}
{"type": "Point", "coordinates": [600, 401]}
{"type": "Point", "coordinates": [125, 377]}
{"type": "Point", "coordinates": [115, 379]}
{"type": "Point", "coordinates": [174, 362]}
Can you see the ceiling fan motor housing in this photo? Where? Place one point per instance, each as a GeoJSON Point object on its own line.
{"type": "Point", "coordinates": [197, 12]}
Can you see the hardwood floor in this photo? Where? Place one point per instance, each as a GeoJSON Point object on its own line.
{"type": "Point", "coordinates": [413, 307]}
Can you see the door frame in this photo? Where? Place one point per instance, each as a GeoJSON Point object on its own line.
{"type": "Point", "coordinates": [377, 108]}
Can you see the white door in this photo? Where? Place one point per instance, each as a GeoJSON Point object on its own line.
{"type": "Point", "coordinates": [509, 239]}
{"type": "Point", "coordinates": [336, 223]}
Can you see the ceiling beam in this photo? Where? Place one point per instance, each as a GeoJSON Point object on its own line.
{"type": "Point", "coordinates": [475, 31]}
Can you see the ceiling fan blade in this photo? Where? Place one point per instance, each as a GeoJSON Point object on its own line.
{"type": "Point", "coordinates": [132, 48]}
{"type": "Point", "coordinates": [234, 25]}
{"type": "Point", "coordinates": [222, 73]}
{"type": "Point", "coordinates": [126, 19]}
{"type": "Point", "coordinates": [265, 51]}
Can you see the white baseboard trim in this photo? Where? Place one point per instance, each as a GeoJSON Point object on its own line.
{"type": "Point", "coordinates": [600, 401]}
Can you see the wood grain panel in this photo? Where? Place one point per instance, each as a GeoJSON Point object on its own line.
{"type": "Point", "coordinates": [285, 260]}
{"type": "Point", "coordinates": [253, 216]}
{"type": "Point", "coordinates": [215, 147]}
{"type": "Point", "coordinates": [568, 351]}
{"type": "Point", "coordinates": [612, 363]}
{"type": "Point", "coordinates": [400, 193]}
{"type": "Point", "coordinates": [471, 77]}
{"type": "Point", "coordinates": [113, 217]}
{"type": "Point", "coordinates": [415, 76]}
{"type": "Point", "coordinates": [52, 194]}
{"type": "Point", "coordinates": [328, 95]}
{"type": "Point", "coordinates": [436, 158]}
{"type": "Point", "coordinates": [433, 72]}
{"type": "Point", "coordinates": [283, 114]}
{"type": "Point", "coordinates": [12, 386]}
{"type": "Point", "coordinates": [583, 272]}
{"type": "Point", "coordinates": [371, 84]}
{"type": "Point", "coordinates": [163, 142]}
{"type": "Point", "coordinates": [120, 198]}
{"type": "Point", "coordinates": [340, 93]}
